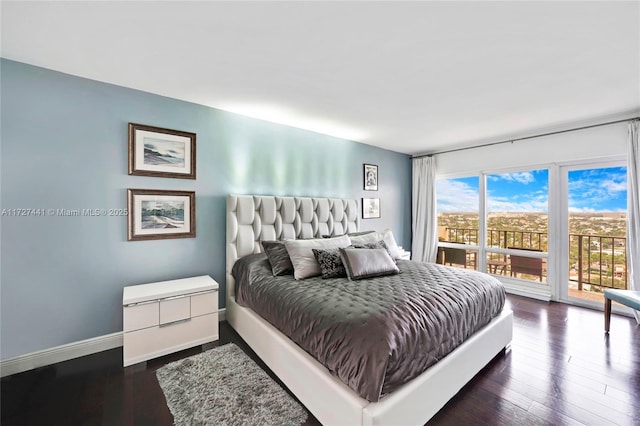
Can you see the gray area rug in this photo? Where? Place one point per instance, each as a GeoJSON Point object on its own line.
{"type": "Point", "coordinates": [223, 386]}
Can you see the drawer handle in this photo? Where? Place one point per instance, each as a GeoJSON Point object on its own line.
{"type": "Point", "coordinates": [162, 299]}
{"type": "Point", "coordinates": [198, 293]}
{"type": "Point", "coordinates": [146, 302]}
{"type": "Point", "coordinates": [180, 296]}
{"type": "Point", "coordinates": [166, 324]}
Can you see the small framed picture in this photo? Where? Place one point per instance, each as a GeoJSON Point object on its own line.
{"type": "Point", "coordinates": [370, 208]}
{"type": "Point", "coordinates": [370, 177]}
{"type": "Point", "coordinates": [154, 151]}
{"type": "Point", "coordinates": [156, 214]}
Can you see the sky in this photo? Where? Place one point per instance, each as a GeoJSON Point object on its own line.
{"type": "Point", "coordinates": [592, 190]}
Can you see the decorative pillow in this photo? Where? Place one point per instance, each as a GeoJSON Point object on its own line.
{"type": "Point", "coordinates": [369, 237]}
{"type": "Point", "coordinates": [387, 237]}
{"type": "Point", "coordinates": [367, 263]}
{"type": "Point", "coordinates": [304, 262]}
{"type": "Point", "coordinates": [376, 245]}
{"type": "Point", "coordinates": [359, 234]}
{"type": "Point", "coordinates": [330, 263]}
{"type": "Point", "coordinates": [278, 257]}
{"type": "Point", "coordinates": [351, 234]}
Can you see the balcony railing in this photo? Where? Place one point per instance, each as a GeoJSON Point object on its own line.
{"type": "Point", "coordinates": [527, 240]}
{"type": "Point", "coordinates": [598, 260]}
{"type": "Point", "coordinates": [595, 260]}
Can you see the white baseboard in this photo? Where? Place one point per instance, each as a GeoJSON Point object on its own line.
{"type": "Point", "coordinates": [66, 352]}
{"type": "Point", "coordinates": [60, 353]}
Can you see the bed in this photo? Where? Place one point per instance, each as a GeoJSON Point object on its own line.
{"type": "Point", "coordinates": [254, 219]}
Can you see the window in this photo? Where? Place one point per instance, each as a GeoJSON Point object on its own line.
{"type": "Point", "coordinates": [458, 201]}
{"type": "Point", "coordinates": [515, 241]}
{"type": "Point", "coordinates": [517, 223]}
{"type": "Point", "coordinates": [597, 221]}
{"type": "Point", "coordinates": [458, 221]}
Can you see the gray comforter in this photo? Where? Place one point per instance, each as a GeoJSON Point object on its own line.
{"type": "Point", "coordinates": [373, 334]}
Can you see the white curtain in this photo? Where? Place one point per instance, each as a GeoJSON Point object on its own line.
{"type": "Point", "coordinates": [424, 219]}
{"type": "Point", "coordinates": [633, 209]}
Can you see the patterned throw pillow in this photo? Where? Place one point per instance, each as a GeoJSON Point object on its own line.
{"type": "Point", "coordinates": [278, 257]}
{"type": "Point", "coordinates": [330, 263]}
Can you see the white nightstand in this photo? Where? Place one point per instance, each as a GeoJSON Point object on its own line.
{"type": "Point", "coordinates": [168, 316]}
{"type": "Point", "coordinates": [405, 255]}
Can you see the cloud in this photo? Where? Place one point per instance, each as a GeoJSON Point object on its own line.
{"type": "Point", "coordinates": [456, 196]}
{"type": "Point", "coordinates": [532, 204]}
{"type": "Point", "coordinates": [597, 189]}
{"type": "Point", "coordinates": [520, 177]}
{"type": "Point", "coordinates": [589, 191]}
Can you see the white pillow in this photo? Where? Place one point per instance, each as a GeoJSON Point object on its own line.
{"type": "Point", "coordinates": [304, 262]}
{"type": "Point", "coordinates": [386, 236]}
{"type": "Point", "coordinates": [370, 237]}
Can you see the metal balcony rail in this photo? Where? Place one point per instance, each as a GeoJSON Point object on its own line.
{"type": "Point", "coordinates": [599, 260]}
{"type": "Point", "coordinates": [500, 238]}
{"type": "Point", "coordinates": [596, 260]}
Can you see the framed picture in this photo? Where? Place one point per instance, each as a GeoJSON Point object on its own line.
{"type": "Point", "coordinates": [156, 214]}
{"type": "Point", "coordinates": [370, 177]}
{"type": "Point", "coordinates": [370, 208]}
{"type": "Point", "coordinates": [154, 151]}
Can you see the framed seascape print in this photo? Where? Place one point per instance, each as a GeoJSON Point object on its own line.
{"type": "Point", "coordinates": [370, 208]}
{"type": "Point", "coordinates": [370, 177]}
{"type": "Point", "coordinates": [156, 214]}
{"type": "Point", "coordinates": [154, 151]}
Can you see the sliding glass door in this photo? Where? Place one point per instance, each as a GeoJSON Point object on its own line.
{"type": "Point", "coordinates": [594, 230]}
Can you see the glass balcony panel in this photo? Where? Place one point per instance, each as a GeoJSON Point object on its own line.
{"type": "Point", "coordinates": [517, 210]}
{"type": "Point", "coordinates": [458, 203]}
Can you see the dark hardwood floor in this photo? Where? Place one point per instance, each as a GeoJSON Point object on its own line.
{"type": "Point", "coordinates": [561, 369]}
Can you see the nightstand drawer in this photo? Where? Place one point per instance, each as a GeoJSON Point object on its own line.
{"type": "Point", "coordinates": [157, 341]}
{"type": "Point", "coordinates": [141, 315]}
{"type": "Point", "coordinates": [175, 309]}
{"type": "Point", "coordinates": [168, 316]}
{"type": "Point", "coordinates": [204, 303]}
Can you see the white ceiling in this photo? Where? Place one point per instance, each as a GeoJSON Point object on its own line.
{"type": "Point", "coordinates": [412, 77]}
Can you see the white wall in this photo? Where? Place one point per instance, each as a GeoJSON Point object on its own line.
{"type": "Point", "coordinates": [595, 143]}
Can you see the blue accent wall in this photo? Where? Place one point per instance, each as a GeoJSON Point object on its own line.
{"type": "Point", "coordinates": [64, 146]}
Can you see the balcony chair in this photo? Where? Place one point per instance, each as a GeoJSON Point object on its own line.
{"type": "Point", "coordinates": [525, 265]}
{"type": "Point", "coordinates": [448, 255]}
{"type": "Point", "coordinates": [630, 298]}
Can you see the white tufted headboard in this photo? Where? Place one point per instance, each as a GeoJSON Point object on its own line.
{"type": "Point", "coordinates": [255, 218]}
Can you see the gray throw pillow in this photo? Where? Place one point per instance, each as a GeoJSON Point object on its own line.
{"type": "Point", "coordinates": [367, 263]}
{"type": "Point", "coordinates": [278, 257]}
{"type": "Point", "coordinates": [376, 245]}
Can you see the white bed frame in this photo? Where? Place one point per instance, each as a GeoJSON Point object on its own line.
{"type": "Point", "coordinates": [251, 219]}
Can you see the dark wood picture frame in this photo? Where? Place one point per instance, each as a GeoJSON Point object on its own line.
{"type": "Point", "coordinates": [370, 177]}
{"type": "Point", "coordinates": [370, 208]}
{"type": "Point", "coordinates": [172, 221]}
{"type": "Point", "coordinates": [147, 144]}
